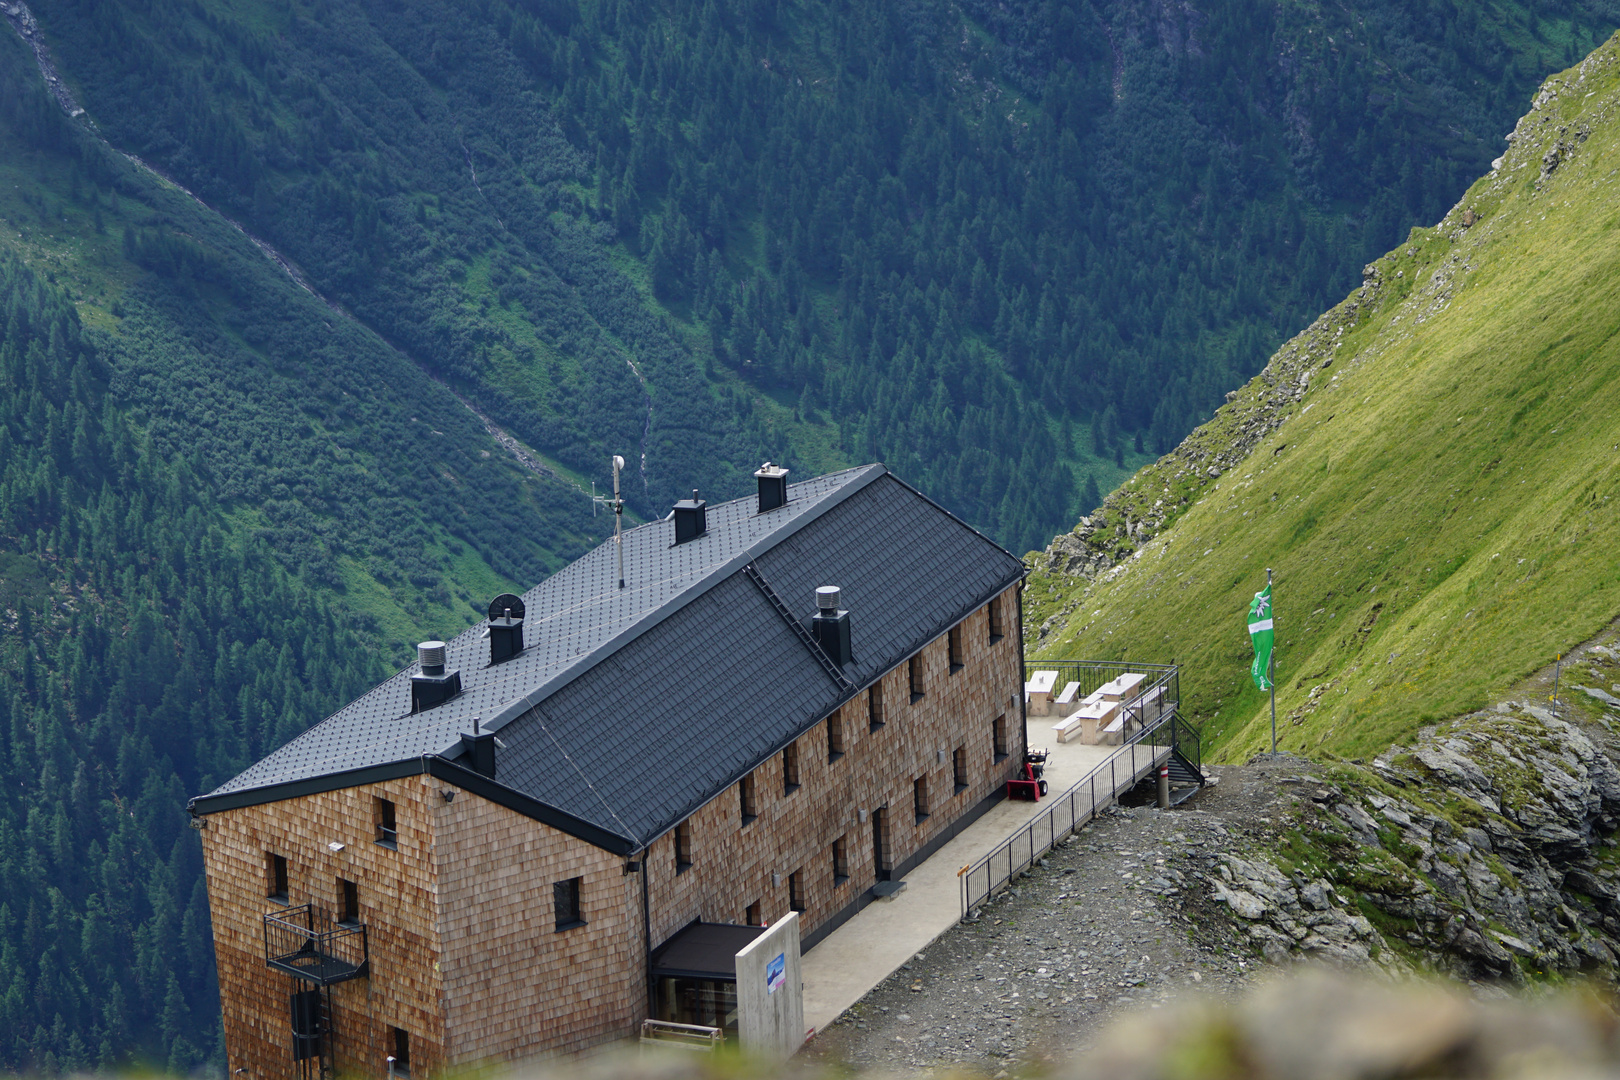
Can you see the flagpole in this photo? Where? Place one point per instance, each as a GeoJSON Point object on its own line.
{"type": "Point", "coordinates": [1271, 665]}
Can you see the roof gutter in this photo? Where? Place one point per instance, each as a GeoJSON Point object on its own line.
{"type": "Point", "coordinates": [437, 767]}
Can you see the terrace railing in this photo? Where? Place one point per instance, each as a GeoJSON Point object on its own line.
{"type": "Point", "coordinates": [1145, 749]}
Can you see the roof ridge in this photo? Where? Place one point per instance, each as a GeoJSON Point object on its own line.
{"type": "Point", "coordinates": [724, 571]}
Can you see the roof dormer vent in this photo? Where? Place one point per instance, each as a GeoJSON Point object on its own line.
{"type": "Point", "coordinates": [772, 487]}
{"type": "Point", "coordinates": [434, 685]}
{"type": "Point", "coordinates": [830, 626]}
{"type": "Point", "coordinates": [691, 518]}
{"type": "Point", "coordinates": [505, 627]}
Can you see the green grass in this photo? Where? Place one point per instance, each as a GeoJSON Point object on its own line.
{"type": "Point", "coordinates": [1441, 509]}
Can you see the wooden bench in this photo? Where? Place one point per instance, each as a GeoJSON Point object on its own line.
{"type": "Point", "coordinates": [1065, 701]}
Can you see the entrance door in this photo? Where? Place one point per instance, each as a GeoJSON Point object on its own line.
{"type": "Point", "coordinates": [880, 846]}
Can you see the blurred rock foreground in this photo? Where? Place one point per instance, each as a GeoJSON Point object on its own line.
{"type": "Point", "coordinates": [1306, 1024]}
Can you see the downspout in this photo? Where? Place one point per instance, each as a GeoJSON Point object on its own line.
{"type": "Point", "coordinates": [646, 932]}
{"type": "Point", "coordinates": [1023, 702]}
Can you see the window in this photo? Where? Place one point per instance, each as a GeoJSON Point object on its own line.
{"type": "Point", "coordinates": [874, 706]}
{"type": "Point", "coordinates": [565, 901]}
{"type": "Point", "coordinates": [840, 860]}
{"type": "Point", "coordinates": [959, 768]}
{"type": "Point", "coordinates": [752, 916]}
{"type": "Point", "coordinates": [745, 796]}
{"type": "Point", "coordinates": [919, 798]}
{"type": "Point", "coordinates": [387, 834]}
{"type": "Point", "coordinates": [998, 737]}
{"type": "Point", "coordinates": [796, 891]}
{"type": "Point", "coordinates": [997, 631]}
{"type": "Point", "coordinates": [401, 1060]}
{"type": "Point", "coordinates": [790, 768]}
{"type": "Point", "coordinates": [348, 902]}
{"type": "Point", "coordinates": [835, 736]}
{"type": "Point", "coordinates": [953, 639]}
{"type": "Point", "coordinates": [914, 670]}
{"type": "Point", "coordinates": [275, 876]}
{"type": "Point", "coordinates": [683, 847]}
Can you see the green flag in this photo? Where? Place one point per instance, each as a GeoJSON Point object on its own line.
{"type": "Point", "coordinates": [1260, 634]}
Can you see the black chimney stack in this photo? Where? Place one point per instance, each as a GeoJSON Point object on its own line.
{"type": "Point", "coordinates": [691, 518]}
{"type": "Point", "coordinates": [830, 626]}
{"type": "Point", "coordinates": [435, 685]}
{"type": "Point", "coordinates": [772, 487]}
{"type": "Point", "coordinates": [505, 627]}
{"type": "Point", "coordinates": [478, 749]}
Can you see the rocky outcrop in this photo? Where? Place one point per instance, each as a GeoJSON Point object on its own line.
{"type": "Point", "coordinates": [1484, 850]}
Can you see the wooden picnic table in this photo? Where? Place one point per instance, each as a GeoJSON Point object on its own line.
{"type": "Point", "coordinates": [1038, 692]}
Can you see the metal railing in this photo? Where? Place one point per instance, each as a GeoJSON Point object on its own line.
{"type": "Point", "coordinates": [304, 942]}
{"type": "Point", "coordinates": [682, 1036]}
{"type": "Point", "coordinates": [1091, 674]}
{"type": "Point", "coordinates": [1097, 790]}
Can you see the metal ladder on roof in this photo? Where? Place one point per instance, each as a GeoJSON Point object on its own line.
{"type": "Point", "coordinates": [810, 643]}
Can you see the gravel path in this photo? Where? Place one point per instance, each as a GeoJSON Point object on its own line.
{"type": "Point", "coordinates": [1118, 919]}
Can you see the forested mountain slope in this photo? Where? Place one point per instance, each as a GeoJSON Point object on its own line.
{"type": "Point", "coordinates": [1431, 468]}
{"type": "Point", "coordinates": [1000, 246]}
{"type": "Point", "coordinates": [224, 510]}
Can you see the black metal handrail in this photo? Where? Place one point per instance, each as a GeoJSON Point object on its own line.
{"type": "Point", "coordinates": [304, 942]}
{"type": "Point", "coordinates": [1118, 772]}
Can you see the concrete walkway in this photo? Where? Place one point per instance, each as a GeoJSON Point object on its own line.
{"type": "Point", "coordinates": [873, 944]}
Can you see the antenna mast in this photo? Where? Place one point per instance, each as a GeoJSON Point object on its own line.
{"type": "Point", "coordinates": [617, 504]}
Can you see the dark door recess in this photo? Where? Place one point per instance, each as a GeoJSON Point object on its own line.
{"type": "Point", "coordinates": [880, 845]}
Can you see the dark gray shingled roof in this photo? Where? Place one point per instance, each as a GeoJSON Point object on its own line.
{"type": "Point", "coordinates": [631, 708]}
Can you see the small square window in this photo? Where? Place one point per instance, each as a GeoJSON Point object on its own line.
{"type": "Point", "coordinates": [401, 1059]}
{"type": "Point", "coordinates": [998, 737]}
{"type": "Point", "coordinates": [753, 914]}
{"type": "Point", "coordinates": [348, 902]}
{"type": "Point", "coordinates": [997, 632]}
{"type": "Point", "coordinates": [919, 798]}
{"type": "Point", "coordinates": [796, 890]}
{"type": "Point", "coordinates": [840, 861]}
{"type": "Point", "coordinates": [683, 847]}
{"type": "Point", "coordinates": [959, 772]}
{"type": "Point", "coordinates": [790, 768]}
{"type": "Point", "coordinates": [874, 706]}
{"type": "Point", "coordinates": [565, 902]}
{"type": "Point", "coordinates": [275, 875]}
{"type": "Point", "coordinates": [835, 736]}
{"type": "Point", "coordinates": [953, 640]}
{"type": "Point", "coordinates": [914, 672]}
{"type": "Point", "coordinates": [745, 798]}
{"type": "Point", "coordinates": [387, 832]}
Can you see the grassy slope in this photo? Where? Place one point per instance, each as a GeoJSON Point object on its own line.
{"type": "Point", "coordinates": [1439, 506]}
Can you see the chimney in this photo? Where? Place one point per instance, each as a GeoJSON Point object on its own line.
{"type": "Point", "coordinates": [478, 750]}
{"type": "Point", "coordinates": [434, 686]}
{"type": "Point", "coordinates": [830, 626]}
{"type": "Point", "coordinates": [691, 518]}
{"type": "Point", "coordinates": [772, 487]}
{"type": "Point", "coordinates": [505, 627]}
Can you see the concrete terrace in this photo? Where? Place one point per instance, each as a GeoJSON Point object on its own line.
{"type": "Point", "coordinates": [872, 945]}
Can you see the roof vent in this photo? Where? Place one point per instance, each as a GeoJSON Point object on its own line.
{"type": "Point", "coordinates": [505, 627]}
{"type": "Point", "coordinates": [772, 487]}
{"type": "Point", "coordinates": [830, 626]}
{"type": "Point", "coordinates": [691, 518]}
{"type": "Point", "coordinates": [434, 685]}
